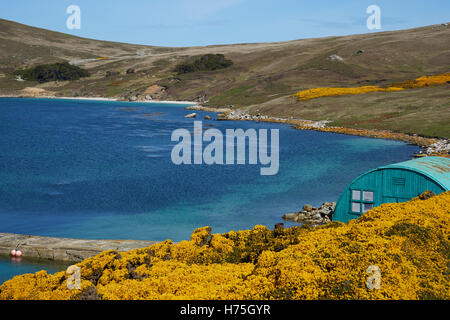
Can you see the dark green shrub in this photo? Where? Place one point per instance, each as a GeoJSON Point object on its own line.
{"type": "Point", "coordinates": [52, 72]}
{"type": "Point", "coordinates": [207, 62]}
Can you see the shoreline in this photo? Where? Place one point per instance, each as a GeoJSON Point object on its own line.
{"type": "Point", "coordinates": [64, 249]}
{"type": "Point", "coordinates": [193, 103]}
{"type": "Point", "coordinates": [429, 146]}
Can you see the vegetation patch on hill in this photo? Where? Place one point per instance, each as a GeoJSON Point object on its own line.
{"type": "Point", "coordinates": [408, 242]}
{"type": "Point", "coordinates": [206, 62]}
{"type": "Point", "coordinates": [52, 72]}
{"type": "Point", "coordinates": [424, 81]}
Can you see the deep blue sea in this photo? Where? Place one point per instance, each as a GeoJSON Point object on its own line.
{"type": "Point", "coordinates": [102, 170]}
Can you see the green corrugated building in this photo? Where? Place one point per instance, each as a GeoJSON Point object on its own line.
{"type": "Point", "coordinates": [393, 183]}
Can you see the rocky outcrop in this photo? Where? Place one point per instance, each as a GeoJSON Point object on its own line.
{"type": "Point", "coordinates": [335, 57]}
{"type": "Point", "coordinates": [203, 98]}
{"type": "Point", "coordinates": [191, 115]}
{"type": "Point", "coordinates": [63, 249]}
{"type": "Point", "coordinates": [139, 98]}
{"type": "Point", "coordinates": [242, 115]}
{"type": "Point", "coordinates": [34, 92]}
{"type": "Point", "coordinates": [440, 147]}
{"type": "Point", "coordinates": [155, 91]}
{"type": "Point", "coordinates": [313, 216]}
{"type": "Point", "coordinates": [437, 148]}
{"type": "Point", "coordinates": [208, 109]}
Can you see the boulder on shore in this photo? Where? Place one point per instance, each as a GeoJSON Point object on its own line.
{"type": "Point", "coordinates": [191, 115]}
{"type": "Point", "coordinates": [289, 216]}
{"type": "Point", "coordinates": [311, 215]}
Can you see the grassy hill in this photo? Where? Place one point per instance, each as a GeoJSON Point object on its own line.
{"type": "Point", "coordinates": [261, 78]}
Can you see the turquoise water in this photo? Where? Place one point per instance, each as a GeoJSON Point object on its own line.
{"type": "Point", "coordinates": [10, 268]}
{"type": "Point", "coordinates": [96, 169]}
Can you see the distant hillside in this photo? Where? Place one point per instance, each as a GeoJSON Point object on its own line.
{"type": "Point", "coordinates": [262, 76]}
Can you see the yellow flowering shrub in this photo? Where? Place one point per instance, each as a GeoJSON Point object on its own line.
{"type": "Point", "coordinates": [409, 243]}
{"type": "Point", "coordinates": [329, 92]}
{"type": "Point", "coordinates": [424, 81]}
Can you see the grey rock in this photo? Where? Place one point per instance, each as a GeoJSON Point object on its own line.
{"type": "Point", "coordinates": [316, 216]}
{"type": "Point", "coordinates": [290, 216]}
{"type": "Point", "coordinates": [335, 57]}
{"type": "Point", "coordinates": [312, 215]}
{"type": "Point", "coordinates": [111, 73]}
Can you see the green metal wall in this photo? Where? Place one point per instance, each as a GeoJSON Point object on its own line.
{"type": "Point", "coordinates": [388, 185]}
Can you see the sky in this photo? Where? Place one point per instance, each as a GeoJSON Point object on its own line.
{"type": "Point", "coordinates": [179, 23]}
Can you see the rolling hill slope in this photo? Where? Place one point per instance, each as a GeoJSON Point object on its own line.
{"type": "Point", "coordinates": [261, 79]}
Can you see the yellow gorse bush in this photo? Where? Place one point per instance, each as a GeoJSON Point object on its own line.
{"type": "Point", "coordinates": [328, 92]}
{"type": "Point", "coordinates": [409, 242]}
{"type": "Point", "coordinates": [416, 83]}
{"type": "Point", "coordinates": [425, 81]}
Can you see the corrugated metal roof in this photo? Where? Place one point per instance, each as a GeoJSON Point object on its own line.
{"type": "Point", "coordinates": [436, 168]}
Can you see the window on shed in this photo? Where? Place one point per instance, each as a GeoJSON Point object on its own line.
{"type": "Point", "coordinates": [356, 207]}
{"type": "Point", "coordinates": [368, 196]}
{"type": "Point", "coordinates": [356, 194]}
{"type": "Point", "coordinates": [362, 201]}
{"type": "Point", "coordinates": [367, 207]}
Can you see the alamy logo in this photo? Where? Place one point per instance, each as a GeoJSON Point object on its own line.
{"type": "Point", "coordinates": [235, 140]}
{"type": "Point", "coordinates": [374, 20]}
{"type": "Point", "coordinates": [74, 20]}
{"type": "Point", "coordinates": [374, 280]}
{"type": "Point", "coordinates": [74, 279]}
